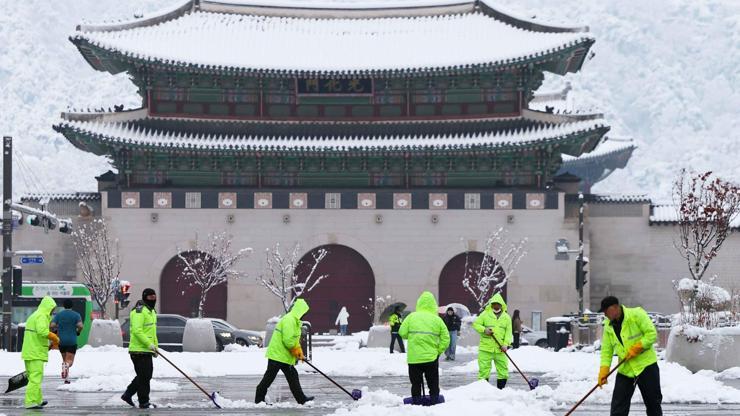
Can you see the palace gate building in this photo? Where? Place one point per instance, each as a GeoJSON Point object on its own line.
{"type": "Point", "coordinates": [397, 135]}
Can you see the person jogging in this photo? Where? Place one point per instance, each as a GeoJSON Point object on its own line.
{"type": "Point", "coordinates": [68, 325]}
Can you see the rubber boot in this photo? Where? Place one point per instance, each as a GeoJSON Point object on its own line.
{"type": "Point", "coordinates": [501, 384]}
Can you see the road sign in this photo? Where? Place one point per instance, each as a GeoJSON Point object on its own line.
{"type": "Point", "coordinates": [32, 260]}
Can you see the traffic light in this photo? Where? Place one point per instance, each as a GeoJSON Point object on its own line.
{"type": "Point", "coordinates": [581, 273]}
{"type": "Point", "coordinates": [65, 227]}
{"type": "Point", "coordinates": [124, 290]}
{"type": "Point", "coordinates": [17, 281]}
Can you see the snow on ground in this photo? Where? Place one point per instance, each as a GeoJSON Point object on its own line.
{"type": "Point", "coordinates": [479, 396]}
{"type": "Point", "coordinates": [569, 374]}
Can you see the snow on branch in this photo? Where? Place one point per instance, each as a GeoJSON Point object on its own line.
{"type": "Point", "coordinates": [98, 259]}
{"type": "Point", "coordinates": [289, 277]}
{"type": "Point", "coordinates": [210, 263]}
{"type": "Point", "coordinates": [706, 206]}
{"type": "Point", "coordinates": [500, 259]}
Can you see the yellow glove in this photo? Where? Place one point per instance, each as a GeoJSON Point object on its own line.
{"type": "Point", "coordinates": [54, 340]}
{"type": "Point", "coordinates": [634, 351]}
{"type": "Point", "coordinates": [603, 371]}
{"type": "Point", "coordinates": [297, 352]}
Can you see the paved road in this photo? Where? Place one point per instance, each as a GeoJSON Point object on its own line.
{"type": "Point", "coordinates": [187, 400]}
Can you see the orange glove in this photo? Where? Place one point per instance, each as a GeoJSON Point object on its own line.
{"type": "Point", "coordinates": [635, 350]}
{"type": "Point", "coordinates": [603, 371]}
{"type": "Point", "coordinates": [54, 340]}
{"type": "Point", "coordinates": [297, 352]}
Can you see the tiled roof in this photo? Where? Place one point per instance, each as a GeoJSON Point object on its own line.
{"type": "Point", "coordinates": [239, 35]}
{"type": "Point", "coordinates": [668, 214]}
{"type": "Point", "coordinates": [126, 133]}
{"type": "Point", "coordinates": [78, 196]}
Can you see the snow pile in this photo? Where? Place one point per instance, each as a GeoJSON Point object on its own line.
{"type": "Point", "coordinates": [114, 383]}
{"type": "Point", "coordinates": [479, 397]}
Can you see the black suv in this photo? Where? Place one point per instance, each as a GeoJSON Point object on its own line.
{"type": "Point", "coordinates": [170, 329]}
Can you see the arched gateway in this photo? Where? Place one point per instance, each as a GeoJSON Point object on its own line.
{"type": "Point", "coordinates": [181, 297]}
{"type": "Point", "coordinates": [350, 283]}
{"type": "Point", "coordinates": [451, 289]}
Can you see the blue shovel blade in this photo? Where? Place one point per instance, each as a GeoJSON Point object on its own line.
{"type": "Point", "coordinates": [214, 397]}
{"type": "Point", "coordinates": [533, 383]}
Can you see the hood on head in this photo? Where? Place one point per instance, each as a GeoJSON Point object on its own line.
{"type": "Point", "coordinates": [427, 303]}
{"type": "Point", "coordinates": [344, 309]}
{"type": "Point", "coordinates": [497, 298]}
{"type": "Point", "coordinates": [299, 308]}
{"type": "Point", "coordinates": [47, 305]}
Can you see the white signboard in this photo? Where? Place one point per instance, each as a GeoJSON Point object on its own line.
{"type": "Point", "coordinates": [53, 290]}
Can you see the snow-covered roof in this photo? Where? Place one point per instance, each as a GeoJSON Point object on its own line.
{"type": "Point", "coordinates": [415, 36]}
{"type": "Point", "coordinates": [125, 133]}
{"type": "Point", "coordinates": [668, 214]}
{"type": "Point", "coordinates": [77, 196]}
{"type": "Point", "coordinates": [608, 147]}
{"type": "Point", "coordinates": [618, 199]}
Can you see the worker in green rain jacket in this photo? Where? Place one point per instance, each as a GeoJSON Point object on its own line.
{"type": "Point", "coordinates": [35, 351]}
{"type": "Point", "coordinates": [283, 352]}
{"type": "Point", "coordinates": [630, 333]}
{"type": "Point", "coordinates": [494, 321]}
{"type": "Point", "coordinates": [142, 348]}
{"type": "Point", "coordinates": [428, 338]}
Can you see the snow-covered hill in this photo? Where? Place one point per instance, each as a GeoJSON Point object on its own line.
{"type": "Point", "coordinates": [666, 72]}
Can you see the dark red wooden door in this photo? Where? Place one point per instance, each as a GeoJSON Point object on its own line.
{"type": "Point", "coordinates": [451, 288]}
{"type": "Point", "coordinates": [182, 297]}
{"type": "Point", "coordinates": [350, 283]}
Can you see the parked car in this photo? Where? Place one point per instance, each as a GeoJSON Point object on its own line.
{"type": "Point", "coordinates": [243, 337]}
{"type": "Point", "coordinates": [170, 329]}
{"type": "Point", "coordinates": [537, 338]}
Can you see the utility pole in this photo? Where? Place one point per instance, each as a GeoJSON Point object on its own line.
{"type": "Point", "coordinates": [580, 275]}
{"type": "Point", "coordinates": [7, 272]}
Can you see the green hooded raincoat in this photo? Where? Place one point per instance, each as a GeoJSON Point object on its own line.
{"type": "Point", "coordinates": [287, 334]}
{"type": "Point", "coordinates": [425, 331]}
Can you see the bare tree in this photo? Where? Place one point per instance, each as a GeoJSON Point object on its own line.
{"type": "Point", "coordinates": [210, 263]}
{"type": "Point", "coordinates": [99, 260]}
{"type": "Point", "coordinates": [706, 207]}
{"type": "Point", "coordinates": [289, 278]}
{"type": "Point", "coordinates": [500, 258]}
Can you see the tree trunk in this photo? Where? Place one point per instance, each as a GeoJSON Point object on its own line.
{"type": "Point", "coordinates": [202, 302]}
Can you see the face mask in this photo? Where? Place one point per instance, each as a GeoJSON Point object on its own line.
{"type": "Point", "coordinates": [497, 310]}
{"type": "Point", "coordinates": [150, 303]}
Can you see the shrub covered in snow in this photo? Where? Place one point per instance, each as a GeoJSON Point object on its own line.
{"type": "Point", "coordinates": [703, 304]}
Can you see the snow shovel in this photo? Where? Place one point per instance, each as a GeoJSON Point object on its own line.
{"type": "Point", "coordinates": [17, 381]}
{"type": "Point", "coordinates": [593, 389]}
{"type": "Point", "coordinates": [425, 400]}
{"type": "Point", "coordinates": [356, 393]}
{"type": "Point", "coordinates": [211, 396]}
{"type": "Point", "coordinates": [532, 382]}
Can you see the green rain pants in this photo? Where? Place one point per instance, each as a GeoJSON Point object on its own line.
{"type": "Point", "coordinates": [35, 370]}
{"type": "Point", "coordinates": [484, 365]}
